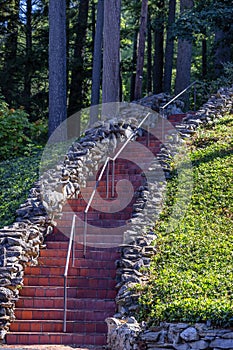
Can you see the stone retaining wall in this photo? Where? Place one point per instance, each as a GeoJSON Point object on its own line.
{"type": "Point", "coordinates": [124, 333]}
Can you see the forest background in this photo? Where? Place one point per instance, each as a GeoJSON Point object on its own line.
{"type": "Point", "coordinates": [60, 56]}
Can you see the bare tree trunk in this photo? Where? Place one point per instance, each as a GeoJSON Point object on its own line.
{"type": "Point", "coordinates": [111, 51]}
{"type": "Point", "coordinates": [184, 57]}
{"type": "Point", "coordinates": [28, 62]}
{"type": "Point", "coordinates": [169, 51]}
{"type": "Point", "coordinates": [149, 55]}
{"type": "Point", "coordinates": [77, 74]}
{"type": "Point", "coordinates": [159, 54]}
{"type": "Point", "coordinates": [141, 50]}
{"type": "Point", "coordinates": [97, 59]}
{"type": "Point", "coordinates": [222, 50]}
{"type": "Point", "coordinates": [57, 65]}
{"type": "Point", "coordinates": [133, 66]}
{"type": "Point", "coordinates": [204, 58]}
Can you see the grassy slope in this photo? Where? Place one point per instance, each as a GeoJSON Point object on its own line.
{"type": "Point", "coordinates": [192, 274]}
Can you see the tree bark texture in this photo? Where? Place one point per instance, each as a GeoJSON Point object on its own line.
{"type": "Point", "coordinates": [184, 56]}
{"type": "Point", "coordinates": [28, 58]}
{"type": "Point", "coordinates": [141, 50]}
{"type": "Point", "coordinates": [149, 55]}
{"type": "Point", "coordinates": [111, 51]}
{"type": "Point", "coordinates": [77, 74]}
{"type": "Point", "coordinates": [169, 50]}
{"type": "Point", "coordinates": [57, 64]}
{"type": "Point", "coordinates": [158, 56]}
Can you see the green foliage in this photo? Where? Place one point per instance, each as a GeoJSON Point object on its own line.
{"type": "Point", "coordinates": [16, 178]}
{"type": "Point", "coordinates": [191, 275]}
{"type": "Point", "coordinates": [17, 135]}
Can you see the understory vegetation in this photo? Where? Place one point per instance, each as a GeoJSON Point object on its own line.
{"type": "Point", "coordinates": [20, 152]}
{"type": "Point", "coordinates": [191, 276]}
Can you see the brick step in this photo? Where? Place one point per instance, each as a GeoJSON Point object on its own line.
{"type": "Point", "coordinates": [91, 271]}
{"type": "Point", "coordinates": [79, 263]}
{"type": "Point", "coordinates": [72, 292]}
{"type": "Point", "coordinates": [57, 326]}
{"type": "Point", "coordinates": [58, 314]}
{"type": "Point", "coordinates": [95, 217]}
{"type": "Point", "coordinates": [72, 303]}
{"type": "Point", "coordinates": [34, 338]}
{"type": "Point", "coordinates": [99, 282]}
{"type": "Point", "coordinates": [92, 253]}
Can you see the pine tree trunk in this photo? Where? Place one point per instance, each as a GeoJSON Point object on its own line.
{"type": "Point", "coordinates": [57, 65]}
{"type": "Point", "coordinates": [159, 54]}
{"type": "Point", "coordinates": [149, 55]}
{"type": "Point", "coordinates": [169, 51]}
{"type": "Point", "coordinates": [184, 57]}
{"type": "Point", "coordinates": [204, 58]}
{"type": "Point", "coordinates": [222, 50]}
{"type": "Point", "coordinates": [133, 65]}
{"type": "Point", "coordinates": [28, 62]}
{"type": "Point", "coordinates": [97, 61]}
{"type": "Point", "coordinates": [77, 74]}
{"type": "Point", "coordinates": [141, 50]}
{"type": "Point", "coordinates": [111, 51]}
{"type": "Point", "coordinates": [158, 59]}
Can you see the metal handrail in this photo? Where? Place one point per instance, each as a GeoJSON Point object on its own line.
{"type": "Point", "coordinates": [71, 243]}
{"type": "Point", "coordinates": [106, 164]}
{"type": "Point", "coordinates": [178, 95]}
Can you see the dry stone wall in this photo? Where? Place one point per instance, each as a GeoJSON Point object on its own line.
{"type": "Point", "coordinates": [124, 332]}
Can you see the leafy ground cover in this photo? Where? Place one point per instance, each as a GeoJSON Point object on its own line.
{"type": "Point", "coordinates": [16, 178]}
{"type": "Point", "coordinates": [191, 276]}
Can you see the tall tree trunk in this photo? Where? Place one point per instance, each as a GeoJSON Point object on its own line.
{"type": "Point", "coordinates": [97, 61]}
{"type": "Point", "coordinates": [184, 57]}
{"type": "Point", "coordinates": [67, 43]}
{"type": "Point", "coordinates": [111, 51]}
{"type": "Point", "coordinates": [133, 65]}
{"type": "Point", "coordinates": [204, 58]}
{"type": "Point", "coordinates": [159, 50]}
{"type": "Point", "coordinates": [8, 75]}
{"type": "Point", "coordinates": [77, 74]}
{"type": "Point", "coordinates": [169, 50]}
{"type": "Point", "coordinates": [57, 65]}
{"type": "Point", "coordinates": [28, 58]}
{"type": "Point", "coordinates": [141, 50]}
{"type": "Point", "coordinates": [149, 55]}
{"type": "Point", "coordinates": [93, 24]}
{"type": "Point", "coordinates": [222, 50]}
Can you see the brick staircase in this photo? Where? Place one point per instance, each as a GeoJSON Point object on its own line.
{"type": "Point", "coordinates": [91, 282]}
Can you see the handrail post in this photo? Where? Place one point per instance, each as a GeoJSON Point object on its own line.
{"type": "Point", "coordinates": [66, 270]}
{"type": "Point", "coordinates": [113, 178]}
{"type": "Point", "coordinates": [107, 181]}
{"type": "Point", "coordinates": [85, 235]}
{"type": "Point", "coordinates": [65, 304]}
{"type": "Point", "coordinates": [73, 244]}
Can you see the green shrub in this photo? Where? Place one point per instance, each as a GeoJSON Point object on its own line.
{"type": "Point", "coordinates": [191, 276]}
{"type": "Point", "coordinates": [17, 135]}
